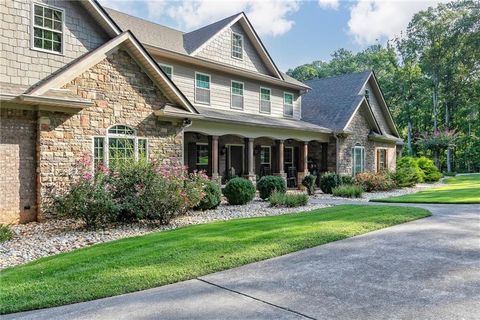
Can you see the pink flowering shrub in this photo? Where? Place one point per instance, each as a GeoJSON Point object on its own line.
{"type": "Point", "coordinates": [132, 191]}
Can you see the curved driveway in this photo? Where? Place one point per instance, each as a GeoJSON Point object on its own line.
{"type": "Point", "coordinates": [425, 269]}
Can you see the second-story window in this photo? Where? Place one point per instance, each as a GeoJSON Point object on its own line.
{"type": "Point", "coordinates": [237, 95]}
{"type": "Point", "coordinates": [265, 102]}
{"type": "Point", "coordinates": [237, 45]}
{"type": "Point", "coordinates": [288, 104]}
{"type": "Point", "coordinates": [167, 69]}
{"type": "Point", "coordinates": [202, 88]}
{"type": "Point", "coordinates": [47, 28]}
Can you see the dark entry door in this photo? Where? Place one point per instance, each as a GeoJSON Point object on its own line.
{"type": "Point", "coordinates": [235, 166]}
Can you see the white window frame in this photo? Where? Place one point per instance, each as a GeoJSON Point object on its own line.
{"type": "Point", "coordinates": [378, 159]}
{"type": "Point", "coordinates": [209, 88]}
{"type": "Point", "coordinates": [232, 94]}
{"type": "Point", "coordinates": [284, 104]}
{"type": "Point", "coordinates": [260, 100]}
{"type": "Point", "coordinates": [293, 156]}
{"type": "Point", "coordinates": [269, 156]}
{"type": "Point", "coordinates": [362, 159]}
{"type": "Point", "coordinates": [106, 144]}
{"type": "Point", "coordinates": [241, 47]}
{"type": "Point", "coordinates": [196, 155]}
{"type": "Point", "coordinates": [168, 66]}
{"type": "Point", "coordinates": [32, 28]}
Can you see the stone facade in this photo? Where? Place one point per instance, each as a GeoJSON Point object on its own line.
{"type": "Point", "coordinates": [361, 129]}
{"type": "Point", "coordinates": [19, 63]}
{"type": "Point", "coordinates": [220, 49]}
{"type": "Point", "coordinates": [17, 166]}
{"type": "Point", "coordinates": [123, 94]}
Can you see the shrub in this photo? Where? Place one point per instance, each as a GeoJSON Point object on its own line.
{"type": "Point", "coordinates": [290, 200]}
{"type": "Point", "coordinates": [348, 191]}
{"type": "Point", "coordinates": [212, 197]}
{"type": "Point", "coordinates": [347, 180]}
{"type": "Point", "coordinates": [370, 181]}
{"type": "Point", "coordinates": [195, 188]}
{"type": "Point", "coordinates": [408, 173]}
{"type": "Point", "coordinates": [328, 181]}
{"type": "Point", "coordinates": [5, 233]}
{"type": "Point", "coordinates": [268, 184]}
{"type": "Point", "coordinates": [239, 191]}
{"type": "Point", "coordinates": [87, 200]}
{"type": "Point", "coordinates": [430, 171]}
{"type": "Point", "coordinates": [309, 183]}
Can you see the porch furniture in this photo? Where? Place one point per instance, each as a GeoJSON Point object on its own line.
{"type": "Point", "coordinates": [291, 177]}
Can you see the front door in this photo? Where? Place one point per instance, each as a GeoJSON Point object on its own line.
{"type": "Point", "coordinates": [235, 161]}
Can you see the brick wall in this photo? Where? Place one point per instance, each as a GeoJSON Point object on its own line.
{"type": "Point", "coordinates": [17, 166]}
{"type": "Point", "coordinates": [123, 94]}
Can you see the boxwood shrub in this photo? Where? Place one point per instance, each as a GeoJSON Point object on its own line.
{"type": "Point", "coordinates": [328, 181]}
{"type": "Point", "coordinates": [268, 184]}
{"type": "Point", "coordinates": [239, 191]}
{"type": "Point", "coordinates": [212, 196]}
{"type": "Point", "coordinates": [430, 171]}
{"type": "Point", "coordinates": [309, 183]}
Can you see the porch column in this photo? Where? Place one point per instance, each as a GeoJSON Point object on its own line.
{"type": "Point", "coordinates": [305, 157]}
{"type": "Point", "coordinates": [303, 170]}
{"type": "Point", "coordinates": [280, 162]}
{"type": "Point", "coordinates": [215, 158]}
{"type": "Point", "coordinates": [250, 160]}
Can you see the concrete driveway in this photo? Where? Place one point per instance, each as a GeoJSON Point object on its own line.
{"type": "Point", "coordinates": [425, 269]}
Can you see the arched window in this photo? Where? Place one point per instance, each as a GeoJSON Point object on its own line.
{"type": "Point", "coordinates": [120, 145]}
{"type": "Point", "coordinates": [358, 159]}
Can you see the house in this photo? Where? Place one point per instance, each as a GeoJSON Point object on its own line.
{"type": "Point", "coordinates": [80, 80]}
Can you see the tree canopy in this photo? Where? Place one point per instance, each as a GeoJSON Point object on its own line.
{"type": "Point", "coordinates": [430, 76]}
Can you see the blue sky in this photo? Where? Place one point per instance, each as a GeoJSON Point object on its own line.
{"type": "Point", "coordinates": [294, 31]}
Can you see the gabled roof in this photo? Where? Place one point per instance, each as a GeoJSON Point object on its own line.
{"type": "Point", "coordinates": [158, 36]}
{"type": "Point", "coordinates": [128, 41]}
{"type": "Point", "coordinates": [333, 101]}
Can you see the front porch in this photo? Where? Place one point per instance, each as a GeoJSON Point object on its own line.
{"type": "Point", "coordinates": [233, 155]}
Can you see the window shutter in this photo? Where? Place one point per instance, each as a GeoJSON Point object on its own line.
{"type": "Point", "coordinates": [192, 156]}
{"type": "Point", "coordinates": [378, 160]}
{"type": "Point", "coordinates": [274, 160]}
{"type": "Point", "coordinates": [386, 158]}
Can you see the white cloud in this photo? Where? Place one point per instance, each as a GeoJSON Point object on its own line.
{"type": "Point", "coordinates": [269, 17]}
{"type": "Point", "coordinates": [375, 20]}
{"type": "Point", "coordinates": [329, 4]}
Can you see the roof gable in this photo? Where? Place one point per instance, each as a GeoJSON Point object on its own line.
{"type": "Point", "coordinates": [208, 33]}
{"type": "Point", "coordinates": [130, 43]}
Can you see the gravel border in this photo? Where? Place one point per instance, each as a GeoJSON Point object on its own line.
{"type": "Point", "coordinates": [34, 240]}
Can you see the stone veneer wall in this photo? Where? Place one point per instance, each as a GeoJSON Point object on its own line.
{"type": "Point", "coordinates": [123, 94]}
{"type": "Point", "coordinates": [361, 129]}
{"type": "Point", "coordinates": [17, 166]}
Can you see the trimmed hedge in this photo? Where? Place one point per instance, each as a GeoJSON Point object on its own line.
{"type": "Point", "coordinates": [239, 191]}
{"type": "Point", "coordinates": [268, 184]}
{"type": "Point", "coordinates": [408, 172]}
{"type": "Point", "coordinates": [430, 171]}
{"type": "Point", "coordinates": [212, 196]}
{"type": "Point", "coordinates": [328, 181]}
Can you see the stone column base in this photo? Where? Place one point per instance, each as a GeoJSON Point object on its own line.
{"type": "Point", "coordinates": [251, 177]}
{"type": "Point", "coordinates": [217, 179]}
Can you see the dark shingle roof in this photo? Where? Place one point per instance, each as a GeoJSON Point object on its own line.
{"type": "Point", "coordinates": [331, 101]}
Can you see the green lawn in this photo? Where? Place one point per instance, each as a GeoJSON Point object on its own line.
{"type": "Point", "coordinates": [160, 258]}
{"type": "Point", "coordinates": [459, 189]}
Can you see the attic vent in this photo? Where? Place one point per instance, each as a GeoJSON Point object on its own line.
{"type": "Point", "coordinates": [367, 95]}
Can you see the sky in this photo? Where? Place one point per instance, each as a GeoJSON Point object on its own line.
{"type": "Point", "coordinates": [294, 32]}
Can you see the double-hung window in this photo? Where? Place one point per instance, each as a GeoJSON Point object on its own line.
{"type": "Point", "coordinates": [288, 104]}
{"type": "Point", "coordinates": [202, 156]}
{"type": "Point", "coordinates": [119, 146]}
{"type": "Point", "coordinates": [237, 45]}
{"type": "Point", "coordinates": [237, 95]}
{"type": "Point", "coordinates": [381, 160]}
{"type": "Point", "coordinates": [266, 156]}
{"type": "Point", "coordinates": [202, 88]}
{"type": "Point", "coordinates": [48, 28]}
{"type": "Point", "coordinates": [167, 69]}
{"type": "Point", "coordinates": [265, 100]}
{"type": "Point", "coordinates": [358, 159]}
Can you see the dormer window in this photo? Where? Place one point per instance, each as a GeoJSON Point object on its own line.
{"type": "Point", "coordinates": [237, 45]}
{"type": "Point", "coordinates": [367, 95]}
{"type": "Point", "coordinates": [47, 28]}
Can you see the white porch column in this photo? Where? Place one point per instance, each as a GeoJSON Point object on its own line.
{"type": "Point", "coordinates": [305, 157]}
{"type": "Point", "coordinates": [250, 160]}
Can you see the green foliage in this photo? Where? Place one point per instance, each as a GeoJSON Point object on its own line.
{"type": "Point", "coordinates": [347, 179]}
{"type": "Point", "coordinates": [348, 191]}
{"type": "Point", "coordinates": [290, 200]}
{"type": "Point", "coordinates": [195, 188]}
{"type": "Point", "coordinates": [239, 191]}
{"type": "Point", "coordinates": [212, 197]}
{"type": "Point", "coordinates": [371, 181]}
{"type": "Point", "coordinates": [430, 171]}
{"type": "Point", "coordinates": [268, 184]}
{"type": "Point", "coordinates": [408, 172]}
{"type": "Point", "coordinates": [5, 233]}
{"type": "Point", "coordinates": [328, 181]}
{"type": "Point", "coordinates": [309, 182]}
{"type": "Point", "coordinates": [449, 174]}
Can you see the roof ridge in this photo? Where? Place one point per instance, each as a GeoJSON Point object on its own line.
{"type": "Point", "coordinates": [143, 19]}
{"type": "Point", "coordinates": [207, 25]}
{"type": "Point", "coordinates": [339, 75]}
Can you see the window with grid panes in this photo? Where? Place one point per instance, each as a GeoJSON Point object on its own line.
{"type": "Point", "coordinates": [47, 28]}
